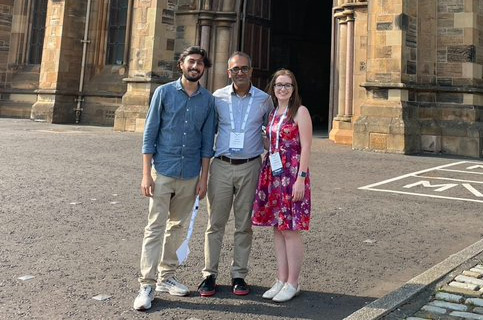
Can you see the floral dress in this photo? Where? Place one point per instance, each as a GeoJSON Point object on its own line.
{"type": "Point", "coordinates": [273, 205]}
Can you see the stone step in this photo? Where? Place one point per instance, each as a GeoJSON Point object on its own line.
{"type": "Point", "coordinates": [10, 109]}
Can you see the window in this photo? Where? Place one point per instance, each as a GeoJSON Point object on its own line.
{"type": "Point", "coordinates": [116, 38]}
{"type": "Point", "coordinates": [36, 43]}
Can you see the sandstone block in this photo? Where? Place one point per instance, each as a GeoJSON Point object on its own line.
{"type": "Point", "coordinates": [449, 297]}
{"type": "Point", "coordinates": [449, 305]}
{"type": "Point", "coordinates": [431, 143]}
{"type": "Point", "coordinates": [456, 289]}
{"type": "Point", "coordinates": [475, 301]}
{"type": "Point", "coordinates": [466, 315]}
{"type": "Point", "coordinates": [433, 309]}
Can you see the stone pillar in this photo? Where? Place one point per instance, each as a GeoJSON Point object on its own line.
{"type": "Point", "coordinates": [151, 63]}
{"type": "Point", "coordinates": [60, 68]}
{"type": "Point", "coordinates": [341, 131]}
{"type": "Point", "coordinates": [387, 121]}
{"type": "Point", "coordinates": [342, 56]}
{"type": "Point", "coordinates": [221, 54]}
{"type": "Point", "coordinates": [349, 79]}
{"type": "Point", "coordinates": [224, 45]}
{"type": "Point", "coordinates": [206, 21]}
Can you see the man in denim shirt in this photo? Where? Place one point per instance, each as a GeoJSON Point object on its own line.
{"type": "Point", "coordinates": [178, 141]}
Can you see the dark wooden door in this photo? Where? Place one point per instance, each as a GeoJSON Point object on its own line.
{"type": "Point", "coordinates": [255, 38]}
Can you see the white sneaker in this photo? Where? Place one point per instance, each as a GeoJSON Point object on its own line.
{"type": "Point", "coordinates": [173, 287]}
{"type": "Point", "coordinates": [272, 292]}
{"type": "Point", "coordinates": [144, 298]}
{"type": "Point", "coordinates": [288, 292]}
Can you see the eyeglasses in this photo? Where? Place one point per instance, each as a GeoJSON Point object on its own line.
{"type": "Point", "coordinates": [287, 86]}
{"type": "Point", "coordinates": [235, 70]}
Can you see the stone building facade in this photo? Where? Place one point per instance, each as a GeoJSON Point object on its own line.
{"type": "Point", "coordinates": [401, 76]}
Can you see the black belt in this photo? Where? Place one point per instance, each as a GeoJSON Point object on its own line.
{"type": "Point", "coordinates": [236, 161]}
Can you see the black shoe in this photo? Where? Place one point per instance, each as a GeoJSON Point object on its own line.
{"type": "Point", "coordinates": [207, 288]}
{"type": "Point", "coordinates": [239, 287]}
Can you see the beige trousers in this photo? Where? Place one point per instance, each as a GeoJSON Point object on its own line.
{"type": "Point", "coordinates": [230, 186]}
{"type": "Point", "coordinates": [169, 213]}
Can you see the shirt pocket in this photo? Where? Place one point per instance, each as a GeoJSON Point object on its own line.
{"type": "Point", "coordinates": [199, 114]}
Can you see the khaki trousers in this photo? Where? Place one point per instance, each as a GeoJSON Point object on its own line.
{"type": "Point", "coordinates": [169, 213]}
{"type": "Point", "coordinates": [230, 185]}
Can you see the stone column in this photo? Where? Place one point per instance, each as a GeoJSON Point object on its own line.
{"type": "Point", "coordinates": [387, 120]}
{"type": "Point", "coordinates": [342, 56]}
{"type": "Point", "coordinates": [341, 131]}
{"type": "Point", "coordinates": [60, 68]}
{"type": "Point", "coordinates": [224, 28]}
{"type": "Point", "coordinates": [221, 54]}
{"type": "Point", "coordinates": [349, 79]}
{"type": "Point", "coordinates": [206, 21]}
{"type": "Point", "coordinates": [151, 63]}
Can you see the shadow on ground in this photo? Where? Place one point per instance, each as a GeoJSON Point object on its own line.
{"type": "Point", "coordinates": [308, 305]}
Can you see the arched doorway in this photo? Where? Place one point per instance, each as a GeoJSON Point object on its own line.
{"type": "Point", "coordinates": [298, 34]}
{"type": "Point", "coordinates": [301, 32]}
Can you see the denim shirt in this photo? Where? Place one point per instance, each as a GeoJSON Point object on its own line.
{"type": "Point", "coordinates": [179, 130]}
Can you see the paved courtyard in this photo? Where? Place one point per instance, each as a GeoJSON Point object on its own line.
{"type": "Point", "coordinates": [72, 219]}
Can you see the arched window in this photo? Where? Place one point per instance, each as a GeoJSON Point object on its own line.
{"type": "Point", "coordinates": [36, 43]}
{"type": "Point", "coordinates": [116, 39]}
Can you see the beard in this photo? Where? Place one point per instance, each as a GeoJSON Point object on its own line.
{"type": "Point", "coordinates": [193, 78]}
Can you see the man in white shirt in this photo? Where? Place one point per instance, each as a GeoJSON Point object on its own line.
{"type": "Point", "coordinates": [241, 109]}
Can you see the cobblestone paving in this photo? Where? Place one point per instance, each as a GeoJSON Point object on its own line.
{"type": "Point", "coordinates": [460, 298]}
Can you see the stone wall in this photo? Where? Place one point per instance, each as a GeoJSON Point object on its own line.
{"type": "Point", "coordinates": [152, 60]}
{"type": "Point", "coordinates": [450, 115]}
{"type": "Point", "coordinates": [60, 68]}
{"type": "Point", "coordinates": [6, 15]}
{"type": "Point", "coordinates": [424, 78]}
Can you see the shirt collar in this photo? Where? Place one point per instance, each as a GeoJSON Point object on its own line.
{"type": "Point", "coordinates": [231, 90]}
{"type": "Point", "coordinates": [179, 86]}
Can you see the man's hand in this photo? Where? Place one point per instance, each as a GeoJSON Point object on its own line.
{"type": "Point", "coordinates": [147, 186]}
{"type": "Point", "coordinates": [201, 189]}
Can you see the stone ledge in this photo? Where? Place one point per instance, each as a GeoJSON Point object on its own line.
{"type": "Point", "coordinates": [419, 87]}
{"type": "Point", "coordinates": [377, 309]}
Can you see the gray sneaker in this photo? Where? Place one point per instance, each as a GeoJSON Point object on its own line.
{"type": "Point", "coordinates": [173, 287]}
{"type": "Point", "coordinates": [144, 298]}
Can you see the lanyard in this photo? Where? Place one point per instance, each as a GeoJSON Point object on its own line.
{"type": "Point", "coordinates": [244, 123]}
{"type": "Point", "coordinates": [279, 125]}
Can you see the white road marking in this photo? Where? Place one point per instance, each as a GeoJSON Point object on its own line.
{"type": "Point", "coordinates": [472, 190]}
{"type": "Point", "coordinates": [409, 175]}
{"type": "Point", "coordinates": [427, 184]}
{"type": "Point", "coordinates": [449, 179]}
{"type": "Point", "coordinates": [426, 195]}
{"type": "Point", "coordinates": [440, 187]}
{"type": "Point", "coordinates": [475, 167]}
{"type": "Point", "coordinates": [460, 171]}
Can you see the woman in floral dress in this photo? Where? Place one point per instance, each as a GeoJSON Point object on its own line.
{"type": "Point", "coordinates": [282, 199]}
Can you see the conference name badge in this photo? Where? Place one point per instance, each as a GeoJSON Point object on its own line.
{"type": "Point", "coordinates": [236, 141]}
{"type": "Point", "coordinates": [276, 164]}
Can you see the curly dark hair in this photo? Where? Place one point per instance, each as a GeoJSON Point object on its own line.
{"type": "Point", "coordinates": [194, 50]}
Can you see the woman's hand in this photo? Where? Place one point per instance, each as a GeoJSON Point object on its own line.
{"type": "Point", "coordinates": [298, 189]}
